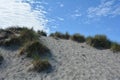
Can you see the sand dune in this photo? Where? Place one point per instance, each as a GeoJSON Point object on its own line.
{"type": "Point", "coordinates": [70, 61]}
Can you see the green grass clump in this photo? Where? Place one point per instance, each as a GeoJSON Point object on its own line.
{"type": "Point", "coordinates": [60, 35]}
{"type": "Point", "coordinates": [42, 33]}
{"type": "Point", "coordinates": [67, 35]}
{"type": "Point", "coordinates": [41, 65]}
{"type": "Point", "coordinates": [34, 48]}
{"type": "Point", "coordinates": [89, 40]}
{"type": "Point", "coordinates": [57, 35]}
{"type": "Point", "coordinates": [30, 45]}
{"type": "Point", "coordinates": [25, 35]}
{"type": "Point", "coordinates": [99, 41]}
{"type": "Point", "coordinates": [16, 29]}
{"type": "Point", "coordinates": [78, 38]}
{"type": "Point", "coordinates": [28, 35]}
{"type": "Point", "coordinates": [115, 47]}
{"type": "Point", "coordinates": [1, 59]}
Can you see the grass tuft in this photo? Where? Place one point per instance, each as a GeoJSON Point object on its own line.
{"type": "Point", "coordinates": [99, 41]}
{"type": "Point", "coordinates": [41, 33]}
{"type": "Point", "coordinates": [28, 35]}
{"type": "Point", "coordinates": [78, 38]}
{"type": "Point", "coordinates": [34, 48]}
{"type": "Point", "coordinates": [115, 47]}
{"type": "Point", "coordinates": [60, 35]}
{"type": "Point", "coordinates": [41, 65]}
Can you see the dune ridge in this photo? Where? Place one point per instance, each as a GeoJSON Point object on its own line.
{"type": "Point", "coordinates": [70, 61]}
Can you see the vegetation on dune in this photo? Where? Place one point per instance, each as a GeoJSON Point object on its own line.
{"type": "Point", "coordinates": [12, 41]}
{"type": "Point", "coordinates": [115, 47]}
{"type": "Point", "coordinates": [16, 29]}
{"type": "Point", "coordinates": [99, 41]}
{"type": "Point", "coordinates": [77, 37]}
{"type": "Point", "coordinates": [57, 35]}
{"type": "Point", "coordinates": [67, 35]}
{"type": "Point", "coordinates": [34, 48]}
{"type": "Point", "coordinates": [60, 35]}
{"type": "Point", "coordinates": [20, 38]}
{"type": "Point", "coordinates": [29, 43]}
{"type": "Point", "coordinates": [41, 33]}
{"type": "Point", "coordinates": [89, 40]}
{"type": "Point", "coordinates": [41, 65]}
{"type": "Point", "coordinates": [28, 35]}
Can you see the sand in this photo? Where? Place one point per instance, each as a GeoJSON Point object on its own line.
{"type": "Point", "coordinates": [70, 61]}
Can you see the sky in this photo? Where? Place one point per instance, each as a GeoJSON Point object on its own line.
{"type": "Point", "coordinates": [87, 17]}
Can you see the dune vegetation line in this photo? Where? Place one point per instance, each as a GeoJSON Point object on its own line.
{"type": "Point", "coordinates": [30, 44]}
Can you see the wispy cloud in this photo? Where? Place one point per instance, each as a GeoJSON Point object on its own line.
{"type": "Point", "coordinates": [106, 8]}
{"type": "Point", "coordinates": [76, 14]}
{"type": "Point", "coordinates": [61, 5]}
{"type": "Point", "coordinates": [60, 18]}
{"type": "Point", "coordinates": [16, 12]}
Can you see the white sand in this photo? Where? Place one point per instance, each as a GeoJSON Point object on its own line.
{"type": "Point", "coordinates": [70, 61]}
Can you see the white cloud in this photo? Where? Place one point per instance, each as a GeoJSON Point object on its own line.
{"type": "Point", "coordinates": [15, 12]}
{"type": "Point", "coordinates": [54, 27]}
{"type": "Point", "coordinates": [106, 8]}
{"type": "Point", "coordinates": [116, 11]}
{"type": "Point", "coordinates": [76, 14]}
{"type": "Point", "coordinates": [61, 5]}
{"type": "Point", "coordinates": [60, 18]}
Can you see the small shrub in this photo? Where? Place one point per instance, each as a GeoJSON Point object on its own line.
{"type": "Point", "coordinates": [52, 35]}
{"type": "Point", "coordinates": [60, 35]}
{"type": "Point", "coordinates": [77, 37]}
{"type": "Point", "coordinates": [89, 40]}
{"type": "Point", "coordinates": [16, 29]}
{"type": "Point", "coordinates": [42, 33]}
{"type": "Point", "coordinates": [40, 65]}
{"type": "Point", "coordinates": [66, 35]}
{"type": "Point", "coordinates": [34, 48]}
{"type": "Point", "coordinates": [1, 59]}
{"type": "Point", "coordinates": [99, 41]}
{"type": "Point", "coordinates": [115, 47]}
{"type": "Point", "coordinates": [57, 35]}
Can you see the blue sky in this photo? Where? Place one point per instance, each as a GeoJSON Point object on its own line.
{"type": "Point", "coordinates": [88, 17]}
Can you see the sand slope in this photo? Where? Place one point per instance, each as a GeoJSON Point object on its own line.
{"type": "Point", "coordinates": [70, 61]}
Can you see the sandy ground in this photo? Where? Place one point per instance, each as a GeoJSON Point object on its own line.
{"type": "Point", "coordinates": [70, 61]}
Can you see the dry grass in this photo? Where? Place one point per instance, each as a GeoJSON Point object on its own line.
{"type": "Point", "coordinates": [41, 65]}
{"type": "Point", "coordinates": [34, 48]}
